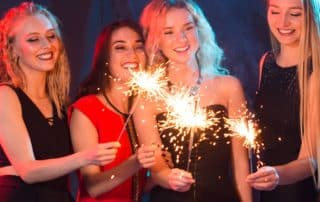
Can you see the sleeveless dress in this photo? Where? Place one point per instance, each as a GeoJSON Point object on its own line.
{"type": "Point", "coordinates": [109, 124]}
{"type": "Point", "coordinates": [48, 141]}
{"type": "Point", "coordinates": [277, 109]}
{"type": "Point", "coordinates": [211, 164]}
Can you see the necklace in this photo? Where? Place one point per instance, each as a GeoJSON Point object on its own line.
{"type": "Point", "coordinates": [112, 106]}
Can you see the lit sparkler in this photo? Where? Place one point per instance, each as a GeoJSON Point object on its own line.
{"type": "Point", "coordinates": [149, 84]}
{"type": "Point", "coordinates": [245, 128]}
{"type": "Point", "coordinates": [186, 116]}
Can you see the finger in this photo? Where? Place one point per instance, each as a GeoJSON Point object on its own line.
{"type": "Point", "coordinates": [257, 175]}
{"type": "Point", "coordinates": [264, 186]}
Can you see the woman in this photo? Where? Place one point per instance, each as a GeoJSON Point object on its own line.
{"type": "Point", "coordinates": [35, 152]}
{"type": "Point", "coordinates": [295, 31]}
{"type": "Point", "coordinates": [101, 111]}
{"type": "Point", "coordinates": [179, 36]}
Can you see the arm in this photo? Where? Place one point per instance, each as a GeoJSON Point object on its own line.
{"type": "Point", "coordinates": [145, 122]}
{"type": "Point", "coordinates": [15, 141]}
{"type": "Point", "coordinates": [84, 135]}
{"type": "Point", "coordinates": [236, 101]}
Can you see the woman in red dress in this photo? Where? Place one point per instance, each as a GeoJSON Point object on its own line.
{"type": "Point", "coordinates": [100, 112]}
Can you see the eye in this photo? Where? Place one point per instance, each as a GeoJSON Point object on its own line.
{"type": "Point", "coordinates": [296, 14]}
{"type": "Point", "coordinates": [275, 12]}
{"type": "Point", "coordinates": [139, 47]}
{"type": "Point", "coordinates": [33, 39]}
{"type": "Point", "coordinates": [120, 47]}
{"type": "Point", "coordinates": [52, 36]}
{"type": "Point", "coordinates": [168, 32]}
{"type": "Point", "coordinates": [190, 27]}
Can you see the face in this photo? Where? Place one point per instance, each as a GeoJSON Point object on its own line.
{"type": "Point", "coordinates": [285, 19]}
{"type": "Point", "coordinates": [179, 37]}
{"type": "Point", "coordinates": [35, 43]}
{"type": "Point", "coordinates": [126, 52]}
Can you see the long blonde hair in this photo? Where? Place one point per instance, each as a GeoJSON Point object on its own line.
{"type": "Point", "coordinates": [310, 57]}
{"type": "Point", "coordinates": [57, 80]}
{"type": "Point", "coordinates": [209, 54]}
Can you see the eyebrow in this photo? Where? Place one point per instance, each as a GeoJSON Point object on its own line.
{"type": "Point", "coordinates": [122, 41]}
{"type": "Point", "coordinates": [36, 33]}
{"type": "Point", "coordinates": [293, 7]}
{"type": "Point", "coordinates": [186, 24]}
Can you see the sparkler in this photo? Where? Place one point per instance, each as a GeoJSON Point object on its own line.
{"type": "Point", "coordinates": [149, 84]}
{"type": "Point", "coordinates": [186, 116]}
{"type": "Point", "coordinates": [245, 128]}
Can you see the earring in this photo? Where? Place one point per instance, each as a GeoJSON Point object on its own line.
{"type": "Point", "coordinates": [107, 63]}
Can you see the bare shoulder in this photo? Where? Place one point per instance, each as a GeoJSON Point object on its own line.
{"type": "Point", "coordinates": [224, 81]}
{"type": "Point", "coordinates": [8, 99]}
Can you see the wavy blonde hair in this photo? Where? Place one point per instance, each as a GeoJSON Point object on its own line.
{"type": "Point", "coordinates": [57, 80]}
{"type": "Point", "coordinates": [209, 54]}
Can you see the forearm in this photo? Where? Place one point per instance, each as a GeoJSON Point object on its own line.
{"type": "Point", "coordinates": [43, 170]}
{"type": "Point", "coordinates": [294, 171]}
{"type": "Point", "coordinates": [103, 182]}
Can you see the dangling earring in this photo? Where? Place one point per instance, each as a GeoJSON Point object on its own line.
{"type": "Point", "coordinates": [107, 63]}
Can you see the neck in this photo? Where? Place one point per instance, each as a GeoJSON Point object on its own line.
{"type": "Point", "coordinates": [288, 56]}
{"type": "Point", "coordinates": [185, 74]}
{"type": "Point", "coordinates": [36, 86]}
{"type": "Point", "coordinates": [117, 96]}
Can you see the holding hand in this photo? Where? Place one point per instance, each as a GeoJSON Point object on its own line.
{"type": "Point", "coordinates": [180, 180]}
{"type": "Point", "coordinates": [102, 154]}
{"type": "Point", "coordinates": [266, 178]}
{"type": "Point", "coordinates": [146, 155]}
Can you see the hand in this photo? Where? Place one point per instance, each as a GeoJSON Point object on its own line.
{"type": "Point", "coordinates": [180, 180]}
{"type": "Point", "coordinates": [266, 178]}
{"type": "Point", "coordinates": [102, 154]}
{"type": "Point", "coordinates": [146, 156]}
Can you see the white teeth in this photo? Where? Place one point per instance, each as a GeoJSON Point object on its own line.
{"type": "Point", "coordinates": [286, 31]}
{"type": "Point", "coordinates": [130, 65]}
{"type": "Point", "coordinates": [45, 56]}
{"type": "Point", "coordinates": [182, 49]}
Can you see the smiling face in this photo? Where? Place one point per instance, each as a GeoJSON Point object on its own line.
{"type": "Point", "coordinates": [35, 43]}
{"type": "Point", "coordinates": [179, 38]}
{"type": "Point", "coordinates": [126, 52]}
{"type": "Point", "coordinates": [285, 19]}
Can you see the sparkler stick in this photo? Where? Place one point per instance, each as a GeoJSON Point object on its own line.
{"type": "Point", "coordinates": [190, 148]}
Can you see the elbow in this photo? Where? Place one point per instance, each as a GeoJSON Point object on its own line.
{"type": "Point", "coordinates": [28, 177]}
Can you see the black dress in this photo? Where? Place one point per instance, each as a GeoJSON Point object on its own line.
{"type": "Point", "coordinates": [211, 164]}
{"type": "Point", "coordinates": [277, 109]}
{"type": "Point", "coordinates": [48, 141]}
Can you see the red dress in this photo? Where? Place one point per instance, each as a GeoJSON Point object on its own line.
{"type": "Point", "coordinates": [109, 125]}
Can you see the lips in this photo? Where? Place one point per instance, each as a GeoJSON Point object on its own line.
{"type": "Point", "coordinates": [182, 49]}
{"type": "Point", "coordinates": [286, 31]}
{"type": "Point", "coordinates": [130, 65]}
{"type": "Point", "coordinates": [45, 56]}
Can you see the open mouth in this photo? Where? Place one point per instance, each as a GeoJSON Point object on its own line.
{"type": "Point", "coordinates": [182, 49]}
{"type": "Point", "coordinates": [45, 56]}
{"type": "Point", "coordinates": [131, 65]}
{"type": "Point", "coordinates": [286, 31]}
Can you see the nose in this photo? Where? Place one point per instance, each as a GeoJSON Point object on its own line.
{"type": "Point", "coordinates": [284, 20]}
{"type": "Point", "coordinates": [181, 36]}
{"type": "Point", "coordinates": [45, 43]}
{"type": "Point", "coordinates": [132, 53]}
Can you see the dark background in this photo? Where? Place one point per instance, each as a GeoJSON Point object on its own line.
{"type": "Point", "coordinates": [240, 27]}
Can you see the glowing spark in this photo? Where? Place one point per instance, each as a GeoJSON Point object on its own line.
{"type": "Point", "coordinates": [150, 85]}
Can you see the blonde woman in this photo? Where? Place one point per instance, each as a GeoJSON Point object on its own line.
{"type": "Point", "coordinates": [296, 44]}
{"type": "Point", "coordinates": [35, 152]}
{"type": "Point", "coordinates": [178, 32]}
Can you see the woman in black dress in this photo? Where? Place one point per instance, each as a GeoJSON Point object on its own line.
{"type": "Point", "coordinates": [292, 23]}
{"type": "Point", "coordinates": [179, 35]}
{"type": "Point", "coordinates": [35, 152]}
